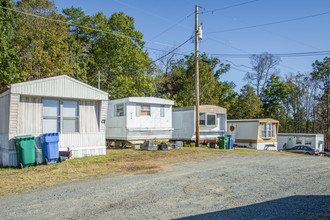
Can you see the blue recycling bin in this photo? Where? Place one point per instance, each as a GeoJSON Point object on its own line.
{"type": "Point", "coordinates": [230, 141]}
{"type": "Point", "coordinates": [50, 150]}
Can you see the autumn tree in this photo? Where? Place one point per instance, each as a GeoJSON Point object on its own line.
{"type": "Point", "coordinates": [41, 43]}
{"type": "Point", "coordinates": [264, 65]}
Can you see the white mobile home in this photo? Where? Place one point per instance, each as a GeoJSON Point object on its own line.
{"type": "Point", "coordinates": [135, 119]}
{"type": "Point", "coordinates": [259, 134]}
{"type": "Point", "coordinates": [56, 104]}
{"type": "Point", "coordinates": [212, 121]}
{"type": "Point", "coordinates": [289, 140]}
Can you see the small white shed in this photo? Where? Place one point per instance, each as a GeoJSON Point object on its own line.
{"type": "Point", "coordinates": [56, 104]}
{"type": "Point", "coordinates": [135, 119]}
{"type": "Point", "coordinates": [258, 134]}
{"type": "Point", "coordinates": [289, 140]}
{"type": "Point", "coordinates": [212, 121]}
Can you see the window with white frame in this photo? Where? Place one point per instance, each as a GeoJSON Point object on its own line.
{"type": "Point", "coordinates": [50, 115]}
{"type": "Point", "coordinates": [60, 116]}
{"type": "Point", "coordinates": [298, 140]}
{"type": "Point", "coordinates": [267, 130]}
{"type": "Point", "coordinates": [207, 119]}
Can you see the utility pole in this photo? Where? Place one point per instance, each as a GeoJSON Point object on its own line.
{"type": "Point", "coordinates": [196, 77]}
{"type": "Point", "coordinates": [98, 79]}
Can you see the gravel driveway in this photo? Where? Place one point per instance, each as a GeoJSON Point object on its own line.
{"type": "Point", "coordinates": [236, 187]}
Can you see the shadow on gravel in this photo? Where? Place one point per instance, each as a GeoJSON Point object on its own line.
{"type": "Point", "coordinates": [293, 207]}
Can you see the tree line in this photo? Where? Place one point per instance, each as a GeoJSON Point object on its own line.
{"type": "Point", "coordinates": [70, 42]}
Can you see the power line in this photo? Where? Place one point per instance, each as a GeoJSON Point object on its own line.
{"type": "Point", "coordinates": [172, 50]}
{"type": "Point", "coordinates": [155, 15]}
{"type": "Point", "coordinates": [300, 54]}
{"type": "Point", "coordinates": [89, 28]}
{"type": "Point", "coordinates": [237, 64]}
{"type": "Point", "coordinates": [172, 26]}
{"type": "Point", "coordinates": [231, 6]}
{"type": "Point", "coordinates": [271, 23]}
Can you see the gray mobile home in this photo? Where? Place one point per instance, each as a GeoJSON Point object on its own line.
{"type": "Point", "coordinates": [56, 104]}
{"type": "Point", "coordinates": [212, 121]}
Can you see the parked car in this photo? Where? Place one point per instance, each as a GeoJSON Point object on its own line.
{"type": "Point", "coordinates": [303, 150]}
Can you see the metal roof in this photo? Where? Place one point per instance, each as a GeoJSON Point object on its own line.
{"type": "Point", "coordinates": [59, 86]}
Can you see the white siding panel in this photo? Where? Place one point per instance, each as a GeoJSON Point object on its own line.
{"type": "Point", "coordinates": [13, 113]}
{"type": "Point", "coordinates": [104, 112]}
{"type": "Point", "coordinates": [88, 144]}
{"type": "Point", "coordinates": [82, 140]}
{"type": "Point", "coordinates": [4, 114]}
{"type": "Point", "coordinates": [30, 115]}
{"type": "Point", "coordinates": [86, 152]}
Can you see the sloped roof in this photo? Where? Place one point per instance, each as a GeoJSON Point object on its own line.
{"type": "Point", "coordinates": [59, 86]}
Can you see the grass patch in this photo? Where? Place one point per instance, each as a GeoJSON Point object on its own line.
{"type": "Point", "coordinates": [115, 161]}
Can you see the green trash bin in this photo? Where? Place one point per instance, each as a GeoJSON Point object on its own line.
{"type": "Point", "coordinates": [25, 150]}
{"type": "Point", "coordinates": [223, 142]}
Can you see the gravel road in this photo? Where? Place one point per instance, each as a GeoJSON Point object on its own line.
{"type": "Point", "coordinates": [235, 187]}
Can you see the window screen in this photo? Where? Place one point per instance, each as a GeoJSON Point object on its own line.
{"type": "Point", "coordinates": [60, 116]}
{"type": "Point", "coordinates": [50, 115]}
{"type": "Point", "coordinates": [70, 116]}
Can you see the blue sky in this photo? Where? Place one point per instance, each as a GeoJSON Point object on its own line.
{"type": "Point", "coordinates": [159, 22]}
